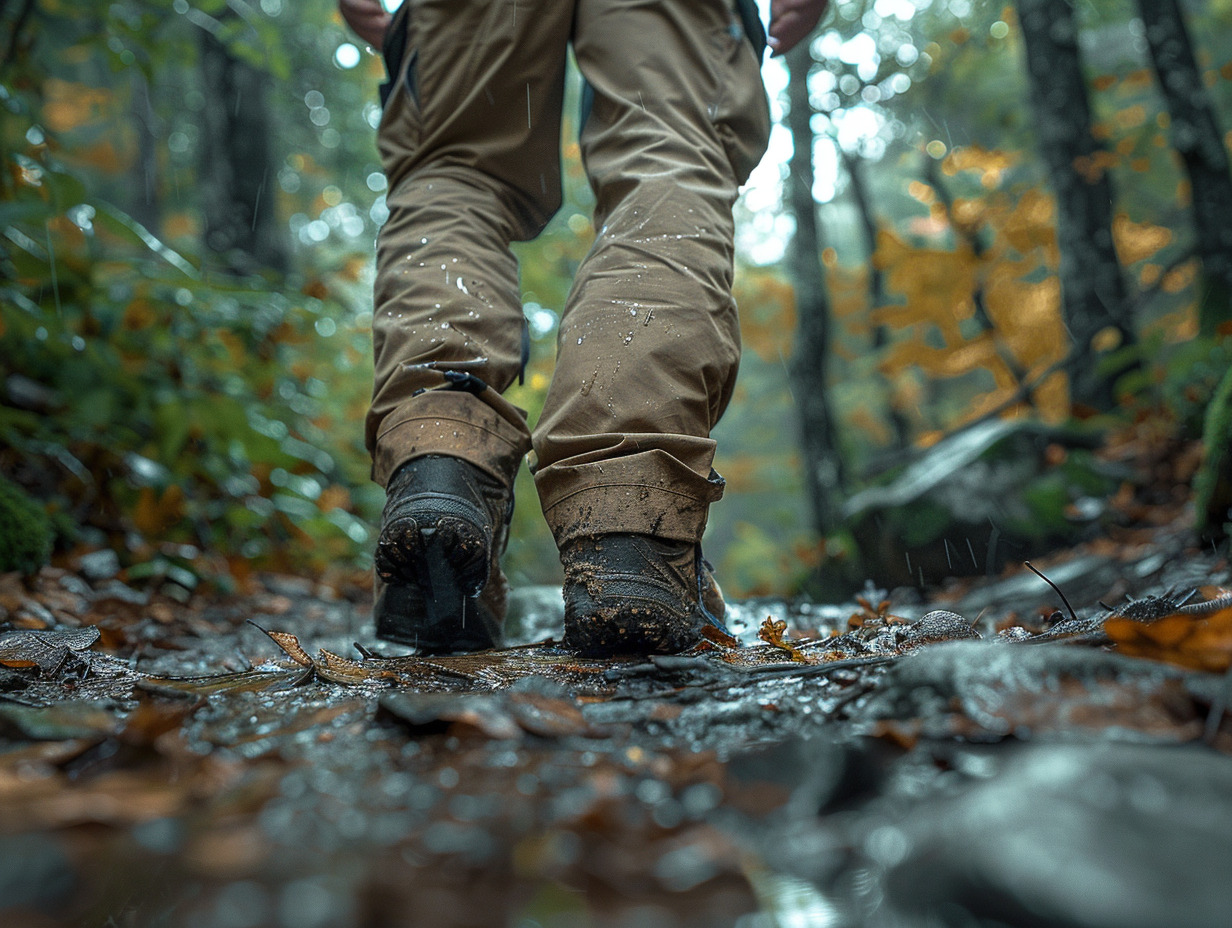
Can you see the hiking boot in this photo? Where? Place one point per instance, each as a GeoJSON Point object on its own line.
{"type": "Point", "coordinates": [443, 530]}
{"type": "Point", "coordinates": [636, 594]}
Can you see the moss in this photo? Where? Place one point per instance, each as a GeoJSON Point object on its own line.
{"type": "Point", "coordinates": [1213, 485]}
{"type": "Point", "coordinates": [25, 530]}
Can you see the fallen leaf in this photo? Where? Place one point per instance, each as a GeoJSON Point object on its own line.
{"type": "Point", "coordinates": [771, 632]}
{"type": "Point", "coordinates": [47, 650]}
{"type": "Point", "coordinates": [1199, 642]}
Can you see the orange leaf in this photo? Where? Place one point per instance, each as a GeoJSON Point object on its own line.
{"type": "Point", "coordinates": [1137, 241]}
{"type": "Point", "coordinates": [1194, 641]}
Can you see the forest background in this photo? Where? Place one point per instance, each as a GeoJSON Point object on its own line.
{"type": "Point", "coordinates": [987, 240]}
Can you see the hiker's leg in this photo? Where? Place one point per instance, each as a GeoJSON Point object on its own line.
{"type": "Point", "coordinates": [649, 340]}
{"type": "Point", "coordinates": [470, 144]}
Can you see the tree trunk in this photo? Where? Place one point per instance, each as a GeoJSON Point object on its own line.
{"type": "Point", "coordinates": [1093, 290]}
{"type": "Point", "coordinates": [1197, 138]}
{"type": "Point", "coordinates": [236, 168]}
{"type": "Point", "coordinates": [818, 441]}
{"type": "Point", "coordinates": [876, 283]}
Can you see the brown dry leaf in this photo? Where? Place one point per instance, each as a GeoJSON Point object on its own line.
{"type": "Point", "coordinates": [290, 644]}
{"type": "Point", "coordinates": [879, 614]}
{"type": "Point", "coordinates": [339, 669]}
{"type": "Point", "coordinates": [427, 713]}
{"type": "Point", "coordinates": [12, 593]}
{"type": "Point", "coordinates": [902, 734]}
{"type": "Point", "coordinates": [1199, 642]}
{"type": "Point", "coordinates": [550, 716]}
{"type": "Point", "coordinates": [716, 636]}
{"type": "Point", "coordinates": [1163, 711]}
{"type": "Point", "coordinates": [771, 632]}
{"type": "Point", "coordinates": [151, 720]}
{"type": "Point", "coordinates": [116, 797]}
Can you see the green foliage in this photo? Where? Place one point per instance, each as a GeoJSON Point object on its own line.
{"type": "Point", "coordinates": [187, 398]}
{"type": "Point", "coordinates": [172, 402]}
{"type": "Point", "coordinates": [25, 530]}
{"type": "Point", "coordinates": [1213, 485]}
{"type": "Point", "coordinates": [159, 400]}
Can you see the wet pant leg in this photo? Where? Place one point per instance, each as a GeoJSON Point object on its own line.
{"type": "Point", "coordinates": [469, 141]}
{"type": "Point", "coordinates": [649, 340]}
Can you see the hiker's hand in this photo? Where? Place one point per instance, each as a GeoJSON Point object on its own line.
{"type": "Point", "coordinates": [791, 21]}
{"type": "Point", "coordinates": [368, 18]}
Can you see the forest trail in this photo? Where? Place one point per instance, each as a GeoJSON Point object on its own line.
{"type": "Point", "coordinates": [166, 763]}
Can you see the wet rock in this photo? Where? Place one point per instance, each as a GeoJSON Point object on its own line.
{"type": "Point", "coordinates": [78, 719]}
{"type": "Point", "coordinates": [535, 707]}
{"type": "Point", "coordinates": [986, 691]}
{"type": "Point", "coordinates": [77, 587]}
{"type": "Point", "coordinates": [1103, 836]}
{"type": "Point", "coordinates": [436, 713]}
{"type": "Point", "coordinates": [974, 501]}
{"type": "Point", "coordinates": [119, 592]}
{"type": "Point", "coordinates": [98, 566]}
{"type": "Point", "coordinates": [535, 613]}
{"type": "Point", "coordinates": [32, 613]}
{"type": "Point", "coordinates": [936, 626]}
{"type": "Point", "coordinates": [807, 776]}
{"type": "Point", "coordinates": [1083, 578]}
{"type": "Point", "coordinates": [545, 708]}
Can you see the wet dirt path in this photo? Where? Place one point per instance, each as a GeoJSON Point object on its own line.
{"type": "Point", "coordinates": [972, 759]}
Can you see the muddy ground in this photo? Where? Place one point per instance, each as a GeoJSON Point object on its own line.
{"type": "Point", "coordinates": [978, 756]}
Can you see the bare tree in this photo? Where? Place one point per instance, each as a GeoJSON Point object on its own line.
{"type": "Point", "coordinates": [1093, 289]}
{"type": "Point", "coordinates": [1197, 138]}
{"type": "Point", "coordinates": [818, 432]}
{"type": "Point", "coordinates": [236, 162]}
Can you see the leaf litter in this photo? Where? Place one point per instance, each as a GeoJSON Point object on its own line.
{"type": "Point", "coordinates": [529, 786]}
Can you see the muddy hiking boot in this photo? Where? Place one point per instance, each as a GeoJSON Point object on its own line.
{"type": "Point", "coordinates": [443, 530]}
{"type": "Point", "coordinates": [636, 594]}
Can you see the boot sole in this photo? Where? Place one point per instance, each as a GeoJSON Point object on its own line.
{"type": "Point", "coordinates": [447, 566]}
{"type": "Point", "coordinates": [627, 631]}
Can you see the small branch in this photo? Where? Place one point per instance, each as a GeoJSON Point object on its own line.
{"type": "Point", "coordinates": [1032, 568]}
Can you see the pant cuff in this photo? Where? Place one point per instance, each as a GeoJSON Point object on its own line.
{"type": "Point", "coordinates": [485, 430]}
{"type": "Point", "coordinates": [647, 494]}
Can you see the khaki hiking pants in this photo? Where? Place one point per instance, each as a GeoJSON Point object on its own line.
{"type": "Point", "coordinates": [649, 340]}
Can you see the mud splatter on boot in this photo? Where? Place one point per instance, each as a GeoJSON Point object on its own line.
{"type": "Point", "coordinates": [636, 594]}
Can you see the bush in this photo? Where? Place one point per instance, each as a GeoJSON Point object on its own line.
{"type": "Point", "coordinates": [1213, 485]}
{"type": "Point", "coordinates": [25, 531]}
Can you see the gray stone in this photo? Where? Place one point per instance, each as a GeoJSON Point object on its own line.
{"type": "Point", "coordinates": [975, 501]}
{"type": "Point", "coordinates": [1090, 836]}
{"type": "Point", "coordinates": [98, 566]}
